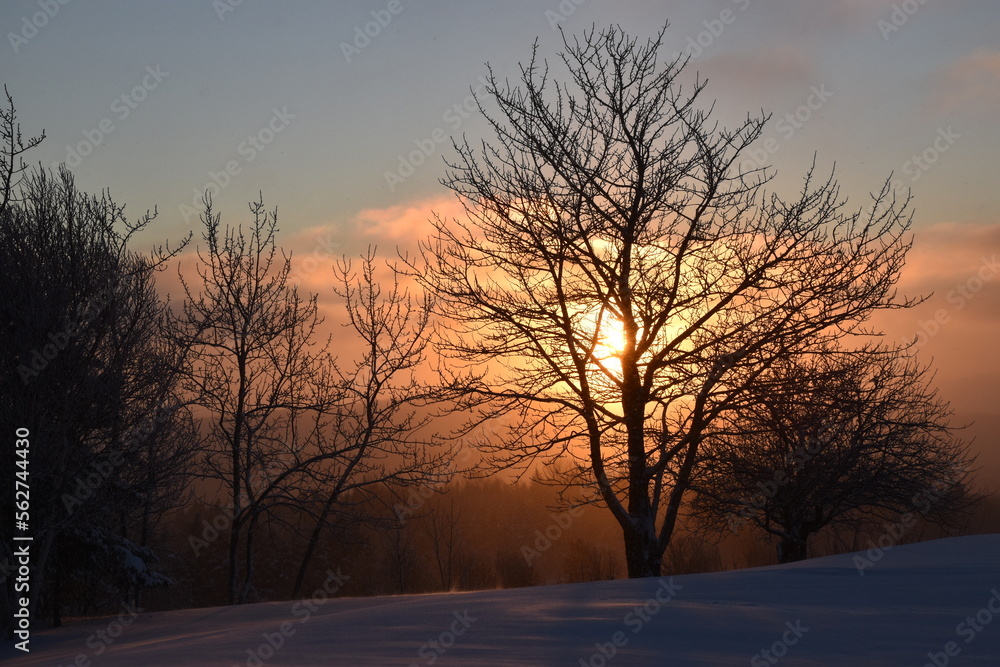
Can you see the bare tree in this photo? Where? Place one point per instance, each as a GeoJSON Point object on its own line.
{"type": "Point", "coordinates": [257, 369]}
{"type": "Point", "coordinates": [620, 281]}
{"type": "Point", "coordinates": [87, 371]}
{"type": "Point", "coordinates": [377, 434]}
{"type": "Point", "coordinates": [291, 426]}
{"type": "Point", "coordinates": [838, 439]}
{"type": "Point", "coordinates": [397, 540]}
{"type": "Point", "coordinates": [12, 147]}
{"type": "Point", "coordinates": [443, 533]}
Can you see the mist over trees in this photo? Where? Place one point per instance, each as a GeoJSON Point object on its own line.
{"type": "Point", "coordinates": [291, 426]}
{"type": "Point", "coordinates": [623, 313]}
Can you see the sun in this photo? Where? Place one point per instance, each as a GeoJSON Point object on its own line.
{"type": "Point", "coordinates": [610, 336]}
{"type": "Point", "coordinates": [600, 330]}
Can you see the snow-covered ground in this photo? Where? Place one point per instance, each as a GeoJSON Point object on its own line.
{"type": "Point", "coordinates": [914, 606]}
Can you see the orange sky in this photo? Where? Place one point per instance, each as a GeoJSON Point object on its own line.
{"type": "Point", "coordinates": [952, 263]}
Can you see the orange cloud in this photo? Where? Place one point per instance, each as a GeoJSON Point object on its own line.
{"type": "Point", "coordinates": [406, 224]}
{"type": "Point", "coordinates": [315, 249]}
{"type": "Point", "coordinates": [947, 252]}
{"type": "Point", "coordinates": [957, 266]}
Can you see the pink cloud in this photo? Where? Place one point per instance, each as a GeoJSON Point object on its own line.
{"type": "Point", "coordinates": [948, 254]}
{"type": "Point", "coordinates": [956, 266]}
{"type": "Point", "coordinates": [400, 227]}
{"type": "Point", "coordinates": [406, 224]}
{"type": "Point", "coordinates": [956, 328]}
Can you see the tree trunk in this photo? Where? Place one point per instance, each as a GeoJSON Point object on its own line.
{"type": "Point", "coordinates": [642, 554]}
{"type": "Point", "coordinates": [792, 548]}
{"type": "Point", "coordinates": [313, 542]}
{"type": "Point", "coordinates": [248, 570]}
{"type": "Point", "coordinates": [234, 543]}
{"type": "Point", "coordinates": [38, 580]}
{"type": "Point", "coordinates": [57, 599]}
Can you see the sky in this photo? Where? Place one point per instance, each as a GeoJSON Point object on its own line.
{"type": "Point", "coordinates": [340, 113]}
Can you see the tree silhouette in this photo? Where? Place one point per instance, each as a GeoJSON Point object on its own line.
{"type": "Point", "coordinates": [836, 439]}
{"type": "Point", "coordinates": [290, 425]}
{"type": "Point", "coordinates": [256, 368]}
{"type": "Point", "coordinates": [377, 433]}
{"type": "Point", "coordinates": [12, 147]}
{"type": "Point", "coordinates": [90, 374]}
{"type": "Point", "coordinates": [619, 281]}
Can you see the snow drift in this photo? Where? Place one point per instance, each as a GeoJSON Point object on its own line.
{"type": "Point", "coordinates": [934, 603]}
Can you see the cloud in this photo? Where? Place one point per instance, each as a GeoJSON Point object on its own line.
{"type": "Point", "coordinates": [391, 228]}
{"type": "Point", "coordinates": [970, 84]}
{"type": "Point", "coordinates": [948, 254]}
{"type": "Point", "coordinates": [956, 267]}
{"type": "Point", "coordinates": [405, 223]}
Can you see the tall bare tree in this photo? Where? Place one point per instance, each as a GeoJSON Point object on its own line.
{"type": "Point", "coordinates": [619, 280]}
{"type": "Point", "coordinates": [378, 433]}
{"type": "Point", "coordinates": [836, 439]}
{"type": "Point", "coordinates": [257, 370]}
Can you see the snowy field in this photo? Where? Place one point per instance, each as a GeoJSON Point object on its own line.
{"type": "Point", "coordinates": [935, 603]}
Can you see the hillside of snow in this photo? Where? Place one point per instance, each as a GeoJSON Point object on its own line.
{"type": "Point", "coordinates": [934, 603]}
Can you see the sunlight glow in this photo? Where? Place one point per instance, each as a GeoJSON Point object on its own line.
{"type": "Point", "coordinates": [611, 338]}
{"type": "Point", "coordinates": [610, 334]}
